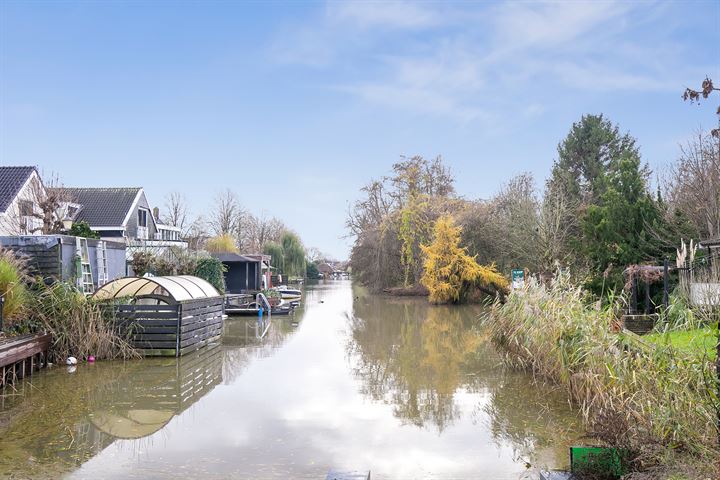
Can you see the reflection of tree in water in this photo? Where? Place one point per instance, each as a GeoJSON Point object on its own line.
{"type": "Point", "coordinates": [414, 356]}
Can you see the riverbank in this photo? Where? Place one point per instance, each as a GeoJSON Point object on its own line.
{"type": "Point", "coordinates": [658, 402]}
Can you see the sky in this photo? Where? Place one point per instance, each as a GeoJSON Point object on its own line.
{"type": "Point", "coordinates": [296, 105]}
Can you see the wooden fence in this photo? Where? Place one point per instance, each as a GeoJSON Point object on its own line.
{"type": "Point", "coordinates": [171, 330]}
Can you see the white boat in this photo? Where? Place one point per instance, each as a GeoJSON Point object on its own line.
{"type": "Point", "coordinates": [288, 293]}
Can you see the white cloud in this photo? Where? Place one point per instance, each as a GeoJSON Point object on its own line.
{"type": "Point", "coordinates": [487, 60]}
{"type": "Point", "coordinates": [395, 14]}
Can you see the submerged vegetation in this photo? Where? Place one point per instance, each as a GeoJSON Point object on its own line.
{"type": "Point", "coordinates": [653, 399]}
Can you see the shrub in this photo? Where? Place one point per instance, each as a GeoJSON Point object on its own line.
{"type": "Point", "coordinates": [142, 263]}
{"type": "Point", "coordinates": [82, 229]}
{"type": "Point", "coordinates": [13, 276]}
{"type": "Point", "coordinates": [211, 269]}
{"type": "Point", "coordinates": [648, 398]}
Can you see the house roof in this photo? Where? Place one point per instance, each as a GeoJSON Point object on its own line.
{"type": "Point", "coordinates": [104, 207]}
{"type": "Point", "coordinates": [234, 257]}
{"type": "Point", "coordinates": [12, 180]}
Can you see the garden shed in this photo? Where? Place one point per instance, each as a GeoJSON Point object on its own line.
{"type": "Point", "coordinates": [165, 316]}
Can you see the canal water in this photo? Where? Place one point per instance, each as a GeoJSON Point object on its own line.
{"type": "Point", "coordinates": [350, 382]}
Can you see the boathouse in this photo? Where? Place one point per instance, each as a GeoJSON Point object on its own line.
{"type": "Point", "coordinates": [243, 274]}
{"type": "Point", "coordinates": [165, 316]}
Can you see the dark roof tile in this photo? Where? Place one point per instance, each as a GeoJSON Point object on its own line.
{"type": "Point", "coordinates": [103, 207]}
{"type": "Point", "coordinates": [11, 181]}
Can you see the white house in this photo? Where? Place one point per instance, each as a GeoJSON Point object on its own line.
{"type": "Point", "coordinates": [21, 191]}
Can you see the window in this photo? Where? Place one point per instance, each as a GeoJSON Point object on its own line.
{"type": "Point", "coordinates": [142, 218]}
{"type": "Point", "coordinates": [26, 208]}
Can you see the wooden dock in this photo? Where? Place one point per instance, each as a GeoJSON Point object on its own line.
{"type": "Point", "coordinates": [20, 356]}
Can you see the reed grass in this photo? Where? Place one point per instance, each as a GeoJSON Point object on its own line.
{"type": "Point", "coordinates": [632, 394]}
{"type": "Point", "coordinates": [79, 326]}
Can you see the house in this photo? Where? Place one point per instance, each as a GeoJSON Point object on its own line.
{"type": "Point", "coordinates": [326, 269]}
{"type": "Point", "coordinates": [21, 191]}
{"type": "Point", "coordinates": [123, 215]}
{"type": "Point", "coordinates": [243, 274]}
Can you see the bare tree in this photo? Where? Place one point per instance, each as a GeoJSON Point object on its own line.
{"type": "Point", "coordinates": [226, 214]}
{"type": "Point", "coordinates": [259, 230]}
{"type": "Point", "coordinates": [694, 185]}
{"type": "Point", "coordinates": [40, 209]}
{"type": "Point", "coordinates": [706, 89]}
{"type": "Point", "coordinates": [176, 211]}
{"type": "Point", "coordinates": [557, 222]}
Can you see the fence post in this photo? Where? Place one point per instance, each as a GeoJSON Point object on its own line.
{"type": "Point", "coordinates": [2, 304]}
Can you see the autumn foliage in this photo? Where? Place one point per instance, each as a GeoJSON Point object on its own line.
{"type": "Point", "coordinates": [449, 271]}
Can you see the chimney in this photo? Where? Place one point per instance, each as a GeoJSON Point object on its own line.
{"type": "Point", "coordinates": [156, 213]}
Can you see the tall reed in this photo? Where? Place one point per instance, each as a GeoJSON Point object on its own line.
{"type": "Point", "coordinates": [645, 398]}
{"type": "Point", "coordinates": [79, 326]}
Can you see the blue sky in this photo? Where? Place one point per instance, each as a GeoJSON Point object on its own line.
{"type": "Point", "coordinates": [316, 98]}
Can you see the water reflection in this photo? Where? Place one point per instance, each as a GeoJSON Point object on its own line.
{"type": "Point", "coordinates": [421, 358]}
{"type": "Point", "coordinates": [60, 420]}
{"type": "Point", "coordinates": [352, 381]}
{"type": "Point", "coordinates": [413, 356]}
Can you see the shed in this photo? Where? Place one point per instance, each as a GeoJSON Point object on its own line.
{"type": "Point", "coordinates": [165, 316]}
{"type": "Point", "coordinates": [243, 274]}
{"type": "Point", "coordinates": [53, 256]}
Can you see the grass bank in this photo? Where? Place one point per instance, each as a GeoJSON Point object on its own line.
{"type": "Point", "coordinates": [656, 400]}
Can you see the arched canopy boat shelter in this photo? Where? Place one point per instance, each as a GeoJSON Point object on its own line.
{"type": "Point", "coordinates": [172, 289]}
{"type": "Point", "coordinates": [165, 316]}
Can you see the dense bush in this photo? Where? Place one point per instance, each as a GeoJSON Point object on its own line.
{"type": "Point", "coordinates": [211, 269]}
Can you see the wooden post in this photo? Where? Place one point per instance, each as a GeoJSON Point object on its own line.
{"type": "Point", "coordinates": [634, 295]}
{"type": "Point", "coordinates": [647, 297]}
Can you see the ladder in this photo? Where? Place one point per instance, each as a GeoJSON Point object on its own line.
{"type": "Point", "coordinates": [102, 267]}
{"type": "Point", "coordinates": [85, 278]}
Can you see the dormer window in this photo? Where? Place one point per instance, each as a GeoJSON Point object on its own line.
{"type": "Point", "coordinates": [142, 217]}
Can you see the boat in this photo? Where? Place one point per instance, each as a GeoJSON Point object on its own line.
{"type": "Point", "coordinates": [288, 293]}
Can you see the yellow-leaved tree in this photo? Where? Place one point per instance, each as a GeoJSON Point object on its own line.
{"type": "Point", "coordinates": [224, 243]}
{"type": "Point", "coordinates": [450, 272]}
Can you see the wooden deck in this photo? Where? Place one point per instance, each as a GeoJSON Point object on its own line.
{"type": "Point", "coordinates": [20, 356]}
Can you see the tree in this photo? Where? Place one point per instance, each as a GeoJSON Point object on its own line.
{"type": "Point", "coordinates": [275, 251]}
{"type": "Point", "coordinates": [585, 155]}
{"type": "Point", "coordinates": [260, 230]}
{"type": "Point", "coordinates": [293, 255]}
{"type": "Point", "coordinates": [449, 271]}
{"type": "Point", "coordinates": [224, 243]}
{"type": "Point", "coordinates": [693, 190]}
{"type": "Point", "coordinates": [706, 89]}
{"type": "Point", "coordinates": [226, 214]}
{"type": "Point", "coordinates": [616, 230]}
{"type": "Point", "coordinates": [176, 211]}
{"type": "Point", "coordinates": [82, 229]}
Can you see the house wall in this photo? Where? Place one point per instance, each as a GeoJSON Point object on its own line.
{"type": "Point", "coordinates": [131, 228]}
{"type": "Point", "coordinates": [11, 223]}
